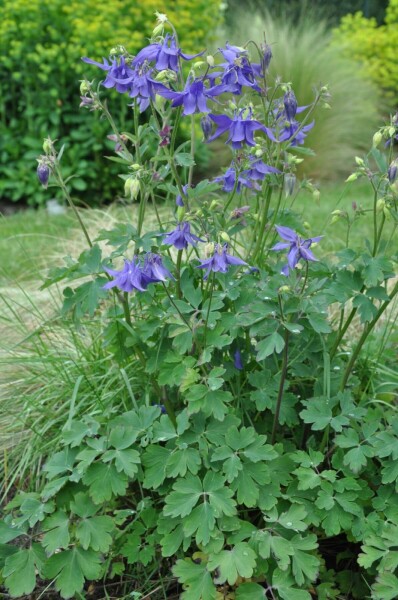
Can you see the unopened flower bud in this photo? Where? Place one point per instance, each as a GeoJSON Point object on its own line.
{"type": "Point", "coordinates": [209, 249]}
{"type": "Point", "coordinates": [392, 171]}
{"type": "Point", "coordinates": [359, 161]}
{"type": "Point", "coordinates": [180, 213]}
{"type": "Point", "coordinates": [352, 177]}
{"type": "Point", "coordinates": [136, 167]}
{"type": "Point", "coordinates": [206, 125]}
{"type": "Point", "coordinates": [316, 194]}
{"type": "Point", "coordinates": [165, 76]}
{"type": "Point", "coordinates": [289, 183]}
{"type": "Point", "coordinates": [259, 153]}
{"type": "Point", "coordinates": [380, 204]}
{"type": "Point", "coordinates": [84, 87]}
{"type": "Point", "coordinates": [284, 289]}
{"type": "Point", "coordinates": [198, 64]}
{"type": "Point", "coordinates": [290, 104]}
{"type": "Point", "coordinates": [306, 225]}
{"type": "Point", "coordinates": [267, 55]}
{"type": "Point", "coordinates": [43, 173]}
{"type": "Point", "coordinates": [213, 205]}
{"type": "Point", "coordinates": [48, 146]}
{"type": "Point", "coordinates": [210, 60]}
{"type": "Point", "coordinates": [391, 131]}
{"type": "Point", "coordinates": [157, 29]}
{"type": "Point", "coordinates": [326, 106]}
{"type": "Point", "coordinates": [224, 236]}
{"type": "Point", "coordinates": [131, 188]}
{"type": "Point", "coordinates": [377, 138]}
{"type": "Point", "coordinates": [387, 213]}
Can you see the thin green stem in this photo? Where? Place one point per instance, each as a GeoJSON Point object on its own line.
{"type": "Point", "coordinates": [178, 273]}
{"type": "Point", "coordinates": [72, 204]}
{"type": "Point", "coordinates": [208, 308]}
{"type": "Point", "coordinates": [281, 387]}
{"type": "Point", "coordinates": [177, 309]}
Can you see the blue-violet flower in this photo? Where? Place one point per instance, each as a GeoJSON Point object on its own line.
{"type": "Point", "coordinates": [220, 261]}
{"type": "Point", "coordinates": [181, 236]}
{"type": "Point", "coordinates": [298, 247]}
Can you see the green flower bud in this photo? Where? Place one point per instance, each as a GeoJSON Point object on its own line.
{"type": "Point", "coordinates": [316, 194]}
{"type": "Point", "coordinates": [210, 60]}
{"type": "Point", "coordinates": [158, 29]}
{"type": "Point", "coordinates": [48, 146]}
{"type": "Point", "coordinates": [377, 138]}
{"type": "Point", "coordinates": [214, 204]}
{"type": "Point", "coordinates": [359, 161]}
{"type": "Point", "coordinates": [180, 213]}
{"type": "Point", "coordinates": [387, 213]}
{"type": "Point", "coordinates": [284, 289]}
{"type": "Point", "coordinates": [224, 236]}
{"type": "Point", "coordinates": [84, 87]}
{"type": "Point", "coordinates": [131, 188]}
{"type": "Point", "coordinates": [136, 167]}
{"type": "Point", "coordinates": [209, 249]}
{"type": "Point", "coordinates": [352, 177]}
{"type": "Point", "coordinates": [380, 205]}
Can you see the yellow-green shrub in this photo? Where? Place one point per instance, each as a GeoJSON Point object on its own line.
{"type": "Point", "coordinates": [376, 48]}
{"type": "Point", "coordinates": [41, 44]}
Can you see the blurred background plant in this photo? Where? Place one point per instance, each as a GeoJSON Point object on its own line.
{"type": "Point", "coordinates": [41, 45]}
{"type": "Point", "coordinates": [374, 46]}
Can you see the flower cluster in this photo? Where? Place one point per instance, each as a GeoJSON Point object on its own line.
{"type": "Point", "coordinates": [137, 274]}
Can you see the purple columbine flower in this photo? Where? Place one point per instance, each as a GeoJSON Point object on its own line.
{"type": "Point", "coordinates": [141, 85]}
{"type": "Point", "coordinates": [229, 180]}
{"type": "Point", "coordinates": [119, 75]}
{"type": "Point", "coordinates": [193, 97]}
{"type": "Point", "coordinates": [181, 236]}
{"type": "Point", "coordinates": [241, 129]}
{"type": "Point", "coordinates": [259, 170]}
{"type": "Point", "coordinates": [165, 55]}
{"type": "Point", "coordinates": [220, 261]}
{"type": "Point", "coordinates": [238, 71]}
{"type": "Point", "coordinates": [131, 277]}
{"type": "Point", "coordinates": [43, 173]}
{"type": "Point", "coordinates": [299, 248]}
{"type": "Point", "coordinates": [292, 131]}
{"type": "Point", "coordinates": [155, 269]}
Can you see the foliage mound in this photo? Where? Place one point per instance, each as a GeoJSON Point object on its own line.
{"type": "Point", "coordinates": [245, 455]}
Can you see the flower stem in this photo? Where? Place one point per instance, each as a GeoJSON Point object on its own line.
{"type": "Point", "coordinates": [281, 387]}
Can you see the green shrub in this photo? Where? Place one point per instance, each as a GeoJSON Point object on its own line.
{"type": "Point", "coordinates": [374, 47]}
{"type": "Point", "coordinates": [41, 44]}
{"type": "Point", "coordinates": [304, 57]}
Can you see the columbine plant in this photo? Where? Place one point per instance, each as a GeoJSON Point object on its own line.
{"type": "Point", "coordinates": [250, 451]}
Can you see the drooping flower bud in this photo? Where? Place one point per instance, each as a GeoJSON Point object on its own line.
{"type": "Point", "coordinates": [290, 104]}
{"type": "Point", "coordinates": [392, 171]}
{"type": "Point", "coordinates": [238, 363]}
{"type": "Point", "coordinates": [131, 187]}
{"type": "Point", "coordinates": [378, 136]}
{"type": "Point", "coordinates": [380, 204]}
{"type": "Point", "coordinates": [267, 55]}
{"type": "Point", "coordinates": [289, 183]}
{"type": "Point", "coordinates": [43, 173]}
{"type": "Point", "coordinates": [206, 125]}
